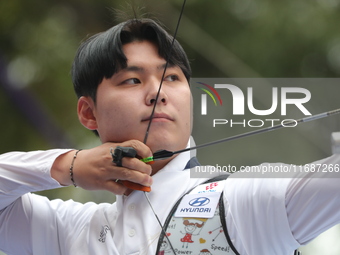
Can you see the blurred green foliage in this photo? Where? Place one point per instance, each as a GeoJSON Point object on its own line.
{"type": "Point", "coordinates": [259, 38]}
{"type": "Point", "coordinates": [229, 38]}
{"type": "Point", "coordinates": [233, 38]}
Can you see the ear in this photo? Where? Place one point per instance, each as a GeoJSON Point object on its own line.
{"type": "Point", "coordinates": [86, 113]}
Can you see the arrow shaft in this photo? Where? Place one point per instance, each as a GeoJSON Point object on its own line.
{"type": "Point", "coordinates": [264, 130]}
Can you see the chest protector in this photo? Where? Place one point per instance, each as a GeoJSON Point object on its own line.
{"type": "Point", "coordinates": [197, 235]}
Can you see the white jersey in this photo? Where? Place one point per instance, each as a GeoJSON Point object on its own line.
{"type": "Point", "coordinates": [263, 215]}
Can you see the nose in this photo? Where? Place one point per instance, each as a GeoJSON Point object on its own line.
{"type": "Point", "coordinates": [152, 96]}
{"type": "Point", "coordinates": [153, 100]}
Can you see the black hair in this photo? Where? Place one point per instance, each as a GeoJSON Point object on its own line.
{"type": "Point", "coordinates": [101, 56]}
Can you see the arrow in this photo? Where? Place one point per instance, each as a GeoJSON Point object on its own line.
{"type": "Point", "coordinates": [164, 154]}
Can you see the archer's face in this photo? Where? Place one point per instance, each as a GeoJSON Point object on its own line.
{"type": "Point", "coordinates": [125, 101]}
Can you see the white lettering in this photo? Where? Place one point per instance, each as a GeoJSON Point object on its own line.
{"type": "Point", "coordinates": [297, 101]}
{"type": "Point", "coordinates": [262, 112]}
{"type": "Point", "coordinates": [220, 122]}
{"type": "Point", "coordinates": [238, 97]}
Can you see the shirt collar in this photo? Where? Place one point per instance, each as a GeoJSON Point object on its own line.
{"type": "Point", "coordinates": [180, 162]}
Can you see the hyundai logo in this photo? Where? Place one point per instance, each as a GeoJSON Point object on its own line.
{"type": "Point", "coordinates": [200, 201]}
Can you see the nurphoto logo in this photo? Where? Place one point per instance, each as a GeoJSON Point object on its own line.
{"type": "Point", "coordinates": [242, 102]}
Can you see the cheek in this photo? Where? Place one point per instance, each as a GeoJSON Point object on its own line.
{"type": "Point", "coordinates": [116, 106]}
{"type": "Point", "coordinates": [183, 104]}
{"type": "Point", "coordinates": [115, 116]}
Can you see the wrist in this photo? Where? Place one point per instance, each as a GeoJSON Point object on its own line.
{"type": "Point", "coordinates": [60, 170]}
{"type": "Point", "coordinates": [72, 166]}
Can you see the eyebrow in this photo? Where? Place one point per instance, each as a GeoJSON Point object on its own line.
{"type": "Point", "coordinates": [134, 68]}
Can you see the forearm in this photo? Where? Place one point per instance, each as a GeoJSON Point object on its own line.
{"type": "Point", "coordinates": [93, 169]}
{"type": "Point", "coordinates": [60, 170]}
{"type": "Point", "coordinates": [23, 172]}
{"type": "Point", "coordinates": [291, 208]}
{"type": "Point", "coordinates": [313, 201]}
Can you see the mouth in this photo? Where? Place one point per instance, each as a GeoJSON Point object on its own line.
{"type": "Point", "coordinates": [158, 117]}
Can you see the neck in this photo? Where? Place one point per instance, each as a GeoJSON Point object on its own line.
{"type": "Point", "coordinates": [159, 164]}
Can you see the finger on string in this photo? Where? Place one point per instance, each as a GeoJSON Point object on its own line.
{"type": "Point", "coordinates": [141, 149]}
{"type": "Point", "coordinates": [135, 176]}
{"type": "Point", "coordinates": [135, 164]}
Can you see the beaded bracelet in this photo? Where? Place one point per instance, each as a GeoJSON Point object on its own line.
{"type": "Point", "coordinates": [71, 168]}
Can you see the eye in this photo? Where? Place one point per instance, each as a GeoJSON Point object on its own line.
{"type": "Point", "coordinates": [172, 77]}
{"type": "Point", "coordinates": [131, 81]}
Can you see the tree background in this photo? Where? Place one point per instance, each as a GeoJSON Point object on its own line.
{"type": "Point", "coordinates": [230, 38]}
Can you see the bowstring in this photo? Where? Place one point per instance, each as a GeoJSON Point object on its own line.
{"type": "Point", "coordinates": [163, 75]}
{"type": "Point", "coordinates": [153, 112]}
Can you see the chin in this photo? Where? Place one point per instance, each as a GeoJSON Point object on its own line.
{"type": "Point", "coordinates": [167, 144]}
{"type": "Point", "coordinates": [158, 144]}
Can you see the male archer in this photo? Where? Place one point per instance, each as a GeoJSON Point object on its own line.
{"type": "Point", "coordinates": [116, 75]}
